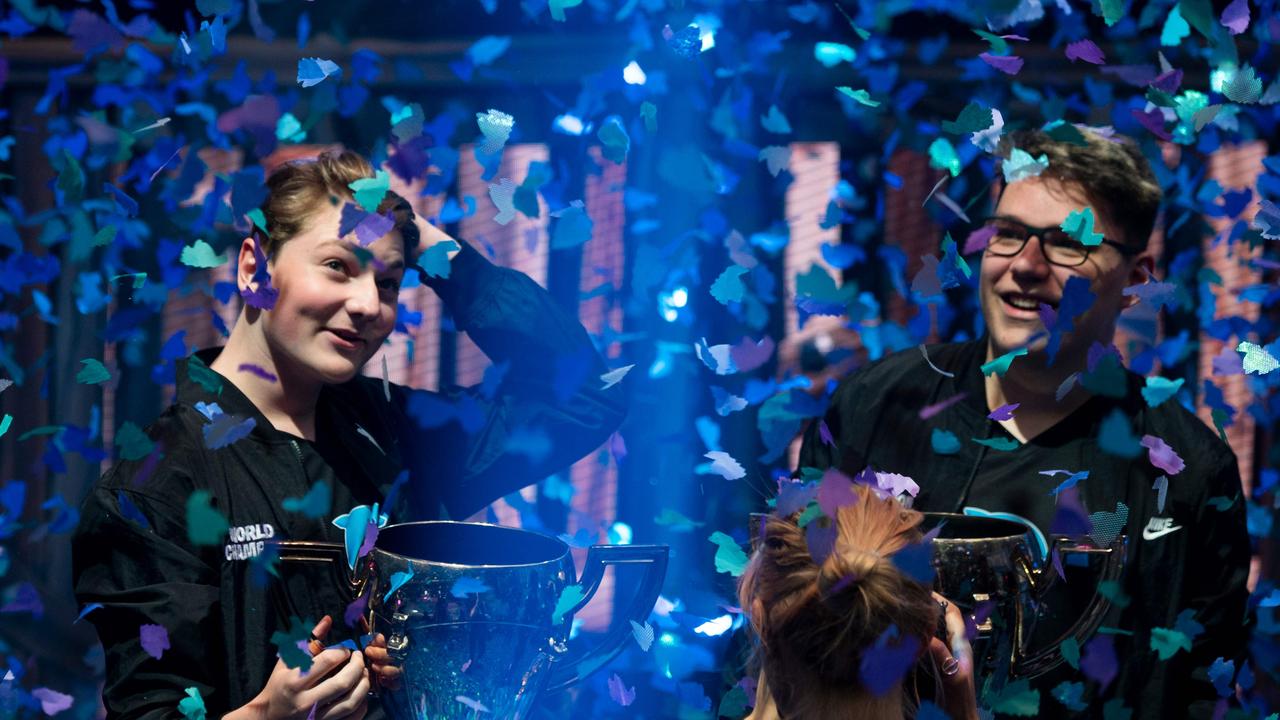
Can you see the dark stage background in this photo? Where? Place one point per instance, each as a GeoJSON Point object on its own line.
{"type": "Point", "coordinates": [739, 164]}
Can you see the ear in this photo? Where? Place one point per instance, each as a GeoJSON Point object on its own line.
{"type": "Point", "coordinates": [1142, 271]}
{"type": "Point", "coordinates": [246, 266]}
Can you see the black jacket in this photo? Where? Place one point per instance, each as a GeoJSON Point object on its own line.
{"type": "Point", "coordinates": [874, 420]}
{"type": "Point", "coordinates": [220, 617]}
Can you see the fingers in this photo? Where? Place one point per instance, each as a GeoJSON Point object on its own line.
{"type": "Point", "coordinates": [337, 685]}
{"type": "Point", "coordinates": [385, 673]}
{"type": "Point", "coordinates": [353, 703]}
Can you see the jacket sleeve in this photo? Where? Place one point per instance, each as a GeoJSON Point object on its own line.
{"type": "Point", "coordinates": [148, 576]}
{"type": "Point", "coordinates": [1215, 588]}
{"type": "Point", "coordinates": [550, 407]}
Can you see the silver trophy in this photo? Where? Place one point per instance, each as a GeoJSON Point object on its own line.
{"type": "Point", "coordinates": [989, 564]}
{"type": "Point", "coordinates": [477, 616]}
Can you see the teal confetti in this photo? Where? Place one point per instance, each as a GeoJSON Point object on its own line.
{"type": "Point", "coordinates": [93, 372]}
{"type": "Point", "coordinates": [1070, 649]}
{"type": "Point", "coordinates": [192, 706]}
{"type": "Point", "coordinates": [1166, 642]}
{"type": "Point", "coordinates": [776, 157]}
{"type": "Point", "coordinates": [133, 442]}
{"type": "Point", "coordinates": [1115, 436]}
{"type": "Point", "coordinates": [1021, 165]}
{"type": "Point", "coordinates": [942, 155]}
{"type": "Point", "coordinates": [1175, 28]}
{"type": "Point", "coordinates": [1017, 698]}
{"type": "Point", "coordinates": [1000, 365]}
{"type": "Point", "coordinates": [999, 443]}
{"type": "Point", "coordinates": [973, 118]}
{"type": "Point", "coordinates": [568, 600]}
{"type": "Point", "coordinates": [1112, 11]}
{"type": "Point", "coordinates": [496, 127]}
{"type": "Point", "coordinates": [369, 192]}
{"type": "Point", "coordinates": [557, 8]}
{"type": "Point", "coordinates": [434, 261]}
{"type": "Point", "coordinates": [315, 504]}
{"type": "Point", "coordinates": [1158, 389]}
{"type": "Point", "coordinates": [201, 255]}
{"type": "Point", "coordinates": [832, 54]}
{"type": "Point", "coordinates": [649, 113]}
{"type": "Point", "coordinates": [729, 557]}
{"type": "Point", "coordinates": [70, 178]}
{"type": "Point", "coordinates": [6, 422]}
{"type": "Point", "coordinates": [288, 129]}
{"type": "Point", "coordinates": [944, 442]}
{"type": "Point", "coordinates": [1079, 225]}
{"type": "Point", "coordinates": [861, 96]}
{"type": "Point", "coordinates": [1243, 86]}
{"type": "Point", "coordinates": [775, 122]}
{"type": "Point", "coordinates": [615, 143]}
{"type": "Point", "coordinates": [397, 581]}
{"type": "Point", "coordinates": [259, 220]}
{"type": "Point", "coordinates": [729, 288]}
{"type": "Point", "coordinates": [205, 525]}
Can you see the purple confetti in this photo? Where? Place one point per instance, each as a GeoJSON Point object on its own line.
{"type": "Point", "coordinates": [1162, 456]}
{"type": "Point", "coordinates": [1152, 120]}
{"type": "Point", "coordinates": [619, 692]}
{"type": "Point", "coordinates": [226, 429]}
{"type": "Point", "coordinates": [1168, 81]}
{"type": "Point", "coordinates": [1004, 412]}
{"type": "Point", "coordinates": [1087, 51]}
{"type": "Point", "coordinates": [929, 411]}
{"type": "Point", "coordinates": [1228, 362]}
{"type": "Point", "coordinates": [26, 599]}
{"type": "Point", "coordinates": [52, 702]}
{"type": "Point", "coordinates": [370, 536]}
{"type": "Point", "coordinates": [748, 355]}
{"type": "Point", "coordinates": [372, 227]}
{"type": "Point", "coordinates": [1236, 17]}
{"type": "Point", "coordinates": [888, 661]}
{"type": "Point", "coordinates": [155, 639]}
{"type": "Point", "coordinates": [824, 432]}
{"type": "Point", "coordinates": [978, 239]}
{"type": "Point", "coordinates": [835, 492]}
{"type": "Point", "coordinates": [1007, 64]}
{"type": "Point", "coordinates": [256, 370]}
{"type": "Point", "coordinates": [355, 610]}
{"type": "Point", "coordinates": [264, 298]}
{"type": "Point", "coordinates": [618, 447]}
{"type": "Point", "coordinates": [1098, 661]}
{"type": "Point", "coordinates": [820, 538]}
{"type": "Point", "coordinates": [90, 32]}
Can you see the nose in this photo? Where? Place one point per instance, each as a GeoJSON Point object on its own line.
{"type": "Point", "coordinates": [363, 302]}
{"type": "Point", "coordinates": [1030, 260]}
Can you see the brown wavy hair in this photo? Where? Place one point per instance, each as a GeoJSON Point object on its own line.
{"type": "Point", "coordinates": [295, 190]}
{"type": "Point", "coordinates": [816, 620]}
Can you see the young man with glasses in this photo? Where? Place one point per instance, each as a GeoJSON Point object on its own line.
{"type": "Point", "coordinates": [1037, 421]}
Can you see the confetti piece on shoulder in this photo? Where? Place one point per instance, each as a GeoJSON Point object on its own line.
{"type": "Point", "coordinates": [154, 639]}
{"type": "Point", "coordinates": [729, 557]}
{"type": "Point", "coordinates": [936, 369]}
{"type": "Point", "coordinates": [93, 372]}
{"type": "Point", "coordinates": [1115, 436]}
{"type": "Point", "coordinates": [569, 599]}
{"type": "Point", "coordinates": [227, 428]}
{"type": "Point", "coordinates": [257, 370]}
{"type": "Point", "coordinates": [619, 692]}
{"type": "Point", "coordinates": [613, 377]}
{"type": "Point", "coordinates": [132, 441]}
{"type": "Point", "coordinates": [1087, 51]}
{"type": "Point", "coordinates": [313, 71]}
{"type": "Point", "coordinates": [201, 255]}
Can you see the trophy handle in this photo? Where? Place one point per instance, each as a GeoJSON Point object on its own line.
{"type": "Point", "coordinates": [1033, 664]}
{"type": "Point", "coordinates": [654, 557]}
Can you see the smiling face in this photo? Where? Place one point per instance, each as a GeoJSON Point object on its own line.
{"type": "Point", "coordinates": [1028, 278]}
{"type": "Point", "coordinates": [334, 310]}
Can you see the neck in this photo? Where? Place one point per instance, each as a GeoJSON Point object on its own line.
{"type": "Point", "coordinates": [1032, 383]}
{"type": "Point", "coordinates": [288, 403]}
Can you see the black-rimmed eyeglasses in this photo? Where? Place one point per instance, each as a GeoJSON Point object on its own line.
{"type": "Point", "coordinates": [1009, 236]}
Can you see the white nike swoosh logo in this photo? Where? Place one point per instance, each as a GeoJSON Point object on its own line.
{"type": "Point", "coordinates": [1148, 535]}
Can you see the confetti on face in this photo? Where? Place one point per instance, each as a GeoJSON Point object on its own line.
{"type": "Point", "coordinates": [1021, 165]}
{"type": "Point", "coordinates": [1079, 225]}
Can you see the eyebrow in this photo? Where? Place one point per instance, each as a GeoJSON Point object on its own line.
{"type": "Point", "coordinates": [345, 245]}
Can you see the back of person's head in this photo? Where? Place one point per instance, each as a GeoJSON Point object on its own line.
{"type": "Point", "coordinates": [818, 622]}
{"type": "Point", "coordinates": [297, 190]}
{"type": "Point", "coordinates": [1112, 173]}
